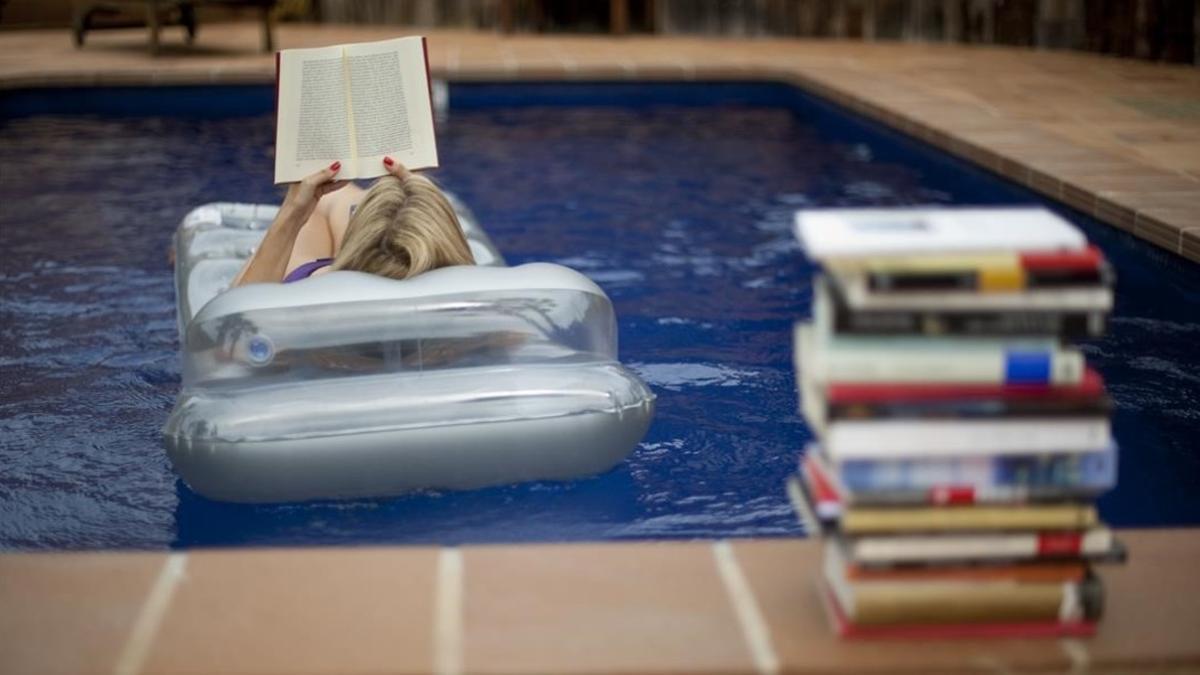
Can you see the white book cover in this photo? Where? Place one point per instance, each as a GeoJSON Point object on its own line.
{"type": "Point", "coordinates": [355, 104]}
{"type": "Point", "coordinates": [892, 438]}
{"type": "Point", "coordinates": [851, 233]}
{"type": "Point", "coordinates": [918, 548]}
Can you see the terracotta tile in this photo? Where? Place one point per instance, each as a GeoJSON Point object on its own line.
{"type": "Point", "coordinates": [1191, 244]}
{"type": "Point", "coordinates": [1164, 234]}
{"type": "Point", "coordinates": [782, 575]}
{"type": "Point", "coordinates": [70, 613]}
{"type": "Point", "coordinates": [1151, 180]}
{"type": "Point", "coordinates": [600, 71]}
{"type": "Point", "coordinates": [641, 608]}
{"type": "Point", "coordinates": [1114, 213]}
{"type": "Point", "coordinates": [300, 611]}
{"type": "Point", "coordinates": [1013, 169]}
{"type": "Point", "coordinates": [1145, 201]}
{"type": "Point", "coordinates": [540, 70]}
{"type": "Point", "coordinates": [1178, 218]}
{"type": "Point", "coordinates": [1147, 620]}
{"type": "Point", "coordinates": [1076, 196]}
{"type": "Point", "coordinates": [1043, 182]}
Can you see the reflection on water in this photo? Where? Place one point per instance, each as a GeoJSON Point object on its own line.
{"type": "Point", "coordinates": [682, 215]}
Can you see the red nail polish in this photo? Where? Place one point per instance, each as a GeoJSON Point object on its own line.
{"type": "Point", "coordinates": [388, 161]}
{"type": "Point", "coordinates": [335, 166]}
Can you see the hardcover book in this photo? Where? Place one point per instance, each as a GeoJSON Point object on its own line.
{"type": "Point", "coordinates": [850, 630]}
{"type": "Point", "coordinates": [968, 480]}
{"type": "Point", "coordinates": [886, 551]}
{"type": "Point", "coordinates": [856, 233]}
{"type": "Point", "coordinates": [861, 297]}
{"type": "Point", "coordinates": [954, 549]}
{"type": "Point", "coordinates": [936, 360]}
{"type": "Point", "coordinates": [957, 600]}
{"type": "Point", "coordinates": [355, 104]}
{"type": "Point", "coordinates": [947, 516]}
{"type": "Point", "coordinates": [851, 401]}
{"type": "Point", "coordinates": [968, 518]}
{"type": "Point", "coordinates": [1003, 272]}
{"type": "Point", "coordinates": [930, 438]}
{"type": "Point", "coordinates": [1055, 571]}
{"type": "Point", "coordinates": [970, 321]}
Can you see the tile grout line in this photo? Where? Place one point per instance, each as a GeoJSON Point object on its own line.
{"type": "Point", "coordinates": [1076, 652]}
{"type": "Point", "coordinates": [145, 628]}
{"type": "Point", "coordinates": [447, 613]}
{"type": "Point", "coordinates": [754, 628]}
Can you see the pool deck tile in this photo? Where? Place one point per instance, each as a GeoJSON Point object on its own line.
{"type": "Point", "coordinates": [596, 608]}
{"type": "Point", "coordinates": [70, 614]}
{"type": "Point", "coordinates": [1190, 246]}
{"type": "Point", "coordinates": [307, 611]}
{"type": "Point", "coordinates": [627, 607]}
{"type": "Point", "coordinates": [1157, 583]}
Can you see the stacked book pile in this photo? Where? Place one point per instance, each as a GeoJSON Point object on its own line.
{"type": "Point", "coordinates": [961, 438]}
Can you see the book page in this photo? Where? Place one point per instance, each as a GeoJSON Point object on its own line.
{"type": "Point", "coordinates": [389, 100]}
{"type": "Point", "coordinates": [313, 119]}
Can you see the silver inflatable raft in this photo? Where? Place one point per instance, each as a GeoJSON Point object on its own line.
{"type": "Point", "coordinates": [351, 385]}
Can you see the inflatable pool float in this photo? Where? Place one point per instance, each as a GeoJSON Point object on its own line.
{"type": "Point", "coordinates": [351, 385]}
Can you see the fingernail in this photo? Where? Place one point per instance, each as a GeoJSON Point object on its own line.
{"type": "Point", "coordinates": [388, 161]}
{"type": "Point", "coordinates": [335, 166]}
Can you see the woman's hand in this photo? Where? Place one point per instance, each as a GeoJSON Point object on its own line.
{"type": "Point", "coordinates": [269, 261]}
{"type": "Point", "coordinates": [302, 198]}
{"type": "Point", "coordinates": [396, 168]}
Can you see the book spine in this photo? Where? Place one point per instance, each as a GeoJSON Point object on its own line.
{"type": "Point", "coordinates": [1028, 572]}
{"type": "Point", "coordinates": [976, 479]}
{"type": "Point", "coordinates": [1069, 325]}
{"type": "Point", "coordinates": [1010, 367]}
{"type": "Point", "coordinates": [1088, 259]}
{"type": "Point", "coordinates": [934, 549]}
{"type": "Point", "coordinates": [986, 280]}
{"type": "Point", "coordinates": [825, 498]}
{"type": "Point", "coordinates": [946, 631]}
{"type": "Point", "coordinates": [973, 409]}
{"type": "Point", "coordinates": [941, 438]}
{"type": "Point", "coordinates": [882, 603]}
{"type": "Point", "coordinates": [861, 520]}
{"type": "Point", "coordinates": [1091, 386]}
{"type": "Point", "coordinates": [843, 320]}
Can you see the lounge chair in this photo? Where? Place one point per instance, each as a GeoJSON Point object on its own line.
{"type": "Point", "coordinates": [155, 14]}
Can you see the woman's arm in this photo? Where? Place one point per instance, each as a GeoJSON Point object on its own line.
{"type": "Point", "coordinates": [270, 259]}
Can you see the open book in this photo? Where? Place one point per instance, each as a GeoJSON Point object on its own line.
{"type": "Point", "coordinates": [354, 104]}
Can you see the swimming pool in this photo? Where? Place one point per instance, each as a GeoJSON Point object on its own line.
{"type": "Point", "coordinates": [675, 198]}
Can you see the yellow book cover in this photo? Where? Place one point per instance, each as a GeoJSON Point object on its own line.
{"type": "Point", "coordinates": [859, 520]}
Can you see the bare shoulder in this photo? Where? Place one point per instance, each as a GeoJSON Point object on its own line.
{"type": "Point", "coordinates": [337, 207]}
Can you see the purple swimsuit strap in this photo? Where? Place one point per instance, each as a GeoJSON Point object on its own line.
{"type": "Point", "coordinates": [305, 271]}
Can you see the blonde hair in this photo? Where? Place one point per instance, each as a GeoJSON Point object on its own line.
{"type": "Point", "coordinates": [403, 227]}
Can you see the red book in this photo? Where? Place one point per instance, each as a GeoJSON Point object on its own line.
{"type": "Point", "coordinates": [1091, 386]}
{"type": "Point", "coordinates": [1087, 259]}
{"type": "Point", "coordinates": [826, 500]}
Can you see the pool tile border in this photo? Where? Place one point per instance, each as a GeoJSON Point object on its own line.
{"type": "Point", "coordinates": [741, 606]}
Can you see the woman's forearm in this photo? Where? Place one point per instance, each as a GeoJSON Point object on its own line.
{"type": "Point", "coordinates": [269, 262]}
{"type": "Point", "coordinates": [270, 259]}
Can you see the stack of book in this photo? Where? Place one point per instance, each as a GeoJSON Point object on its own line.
{"type": "Point", "coordinates": [960, 439]}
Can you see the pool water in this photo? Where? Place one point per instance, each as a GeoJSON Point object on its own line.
{"type": "Point", "coordinates": [676, 198]}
